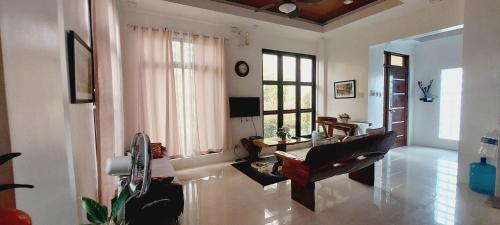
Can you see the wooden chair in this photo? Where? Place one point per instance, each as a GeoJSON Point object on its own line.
{"type": "Point", "coordinates": [330, 123]}
{"type": "Point", "coordinates": [326, 123]}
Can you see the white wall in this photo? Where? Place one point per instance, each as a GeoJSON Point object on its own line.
{"type": "Point", "coordinates": [37, 96]}
{"type": "Point", "coordinates": [81, 116]}
{"type": "Point", "coordinates": [376, 77]}
{"type": "Point", "coordinates": [481, 80]}
{"type": "Point", "coordinates": [430, 58]}
{"type": "Point", "coordinates": [348, 48]}
{"type": "Point", "coordinates": [56, 138]}
{"type": "Point", "coordinates": [250, 86]}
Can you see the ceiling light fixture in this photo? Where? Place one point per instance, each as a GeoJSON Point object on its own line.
{"type": "Point", "coordinates": [348, 2]}
{"type": "Point", "coordinates": [287, 7]}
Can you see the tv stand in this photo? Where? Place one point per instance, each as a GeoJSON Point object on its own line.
{"type": "Point", "coordinates": [251, 138]}
{"type": "Point", "coordinates": [252, 149]}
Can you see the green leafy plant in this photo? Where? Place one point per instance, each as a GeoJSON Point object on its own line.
{"type": "Point", "coordinates": [283, 132]}
{"type": "Point", "coordinates": [98, 213]}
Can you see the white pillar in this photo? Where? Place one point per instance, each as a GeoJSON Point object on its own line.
{"type": "Point", "coordinates": [481, 83]}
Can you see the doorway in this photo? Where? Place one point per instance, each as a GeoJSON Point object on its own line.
{"type": "Point", "coordinates": [396, 77]}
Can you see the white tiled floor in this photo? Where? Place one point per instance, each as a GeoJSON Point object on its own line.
{"type": "Point", "coordinates": [414, 185]}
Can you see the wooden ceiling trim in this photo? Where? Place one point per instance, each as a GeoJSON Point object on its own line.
{"type": "Point", "coordinates": [248, 11]}
{"type": "Point", "coordinates": [231, 8]}
{"type": "Point", "coordinates": [320, 13]}
{"type": "Point", "coordinates": [365, 11]}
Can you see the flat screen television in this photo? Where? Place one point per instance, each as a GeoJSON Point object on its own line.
{"type": "Point", "coordinates": [244, 106]}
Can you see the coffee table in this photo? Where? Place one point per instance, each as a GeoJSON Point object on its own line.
{"type": "Point", "coordinates": [280, 146]}
{"type": "Point", "coordinates": [279, 143]}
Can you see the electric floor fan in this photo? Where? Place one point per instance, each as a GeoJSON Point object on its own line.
{"type": "Point", "coordinates": [134, 169]}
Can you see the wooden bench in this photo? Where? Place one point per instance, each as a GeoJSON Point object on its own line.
{"type": "Point", "coordinates": [355, 157]}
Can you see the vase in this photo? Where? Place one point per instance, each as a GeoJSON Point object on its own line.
{"type": "Point", "coordinates": [344, 120]}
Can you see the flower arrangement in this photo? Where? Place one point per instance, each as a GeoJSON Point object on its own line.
{"type": "Point", "coordinates": [283, 132]}
{"type": "Point", "coordinates": [344, 117]}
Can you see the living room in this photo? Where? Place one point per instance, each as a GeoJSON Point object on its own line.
{"type": "Point", "coordinates": [73, 141]}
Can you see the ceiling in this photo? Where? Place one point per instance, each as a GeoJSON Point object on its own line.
{"type": "Point", "coordinates": [319, 13]}
{"type": "Point", "coordinates": [232, 13]}
{"type": "Point", "coordinates": [442, 34]}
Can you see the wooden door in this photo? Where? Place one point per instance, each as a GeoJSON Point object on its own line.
{"type": "Point", "coordinates": [396, 96]}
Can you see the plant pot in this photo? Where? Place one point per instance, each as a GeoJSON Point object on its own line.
{"type": "Point", "coordinates": [344, 120]}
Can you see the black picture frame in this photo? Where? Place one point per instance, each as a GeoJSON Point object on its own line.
{"type": "Point", "coordinates": [80, 69]}
{"type": "Point", "coordinates": [238, 71]}
{"type": "Point", "coordinates": [339, 87]}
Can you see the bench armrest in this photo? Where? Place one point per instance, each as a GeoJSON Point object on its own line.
{"type": "Point", "coordinates": [284, 156]}
{"type": "Point", "coordinates": [293, 168]}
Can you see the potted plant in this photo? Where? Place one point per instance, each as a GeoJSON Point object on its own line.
{"type": "Point", "coordinates": [283, 133]}
{"type": "Point", "coordinates": [344, 117]}
{"type": "Point", "coordinates": [98, 214]}
{"type": "Point", "coordinates": [159, 211]}
{"type": "Point", "coordinates": [13, 216]}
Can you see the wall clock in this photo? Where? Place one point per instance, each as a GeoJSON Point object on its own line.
{"type": "Point", "coordinates": [241, 68]}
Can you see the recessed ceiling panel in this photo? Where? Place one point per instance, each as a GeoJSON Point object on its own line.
{"type": "Point", "coordinates": [320, 12]}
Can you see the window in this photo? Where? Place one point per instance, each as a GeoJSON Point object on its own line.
{"type": "Point", "coordinates": [182, 52]}
{"type": "Point", "coordinates": [288, 84]}
{"type": "Point", "coordinates": [450, 103]}
{"type": "Point", "coordinates": [397, 60]}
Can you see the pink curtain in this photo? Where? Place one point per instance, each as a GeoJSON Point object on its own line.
{"type": "Point", "coordinates": [157, 106]}
{"type": "Point", "coordinates": [211, 93]}
{"type": "Point", "coordinates": [182, 97]}
{"type": "Point", "coordinates": [109, 100]}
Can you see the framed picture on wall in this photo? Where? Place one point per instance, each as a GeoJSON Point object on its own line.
{"type": "Point", "coordinates": [345, 89]}
{"type": "Point", "coordinates": [81, 69]}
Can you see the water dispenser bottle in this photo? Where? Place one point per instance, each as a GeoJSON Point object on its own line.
{"type": "Point", "coordinates": [482, 175]}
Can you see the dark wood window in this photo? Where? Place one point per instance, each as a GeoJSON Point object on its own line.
{"type": "Point", "coordinates": [289, 92]}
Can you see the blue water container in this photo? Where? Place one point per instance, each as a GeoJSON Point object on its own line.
{"type": "Point", "coordinates": [482, 177]}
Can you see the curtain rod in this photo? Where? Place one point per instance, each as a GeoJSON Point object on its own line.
{"type": "Point", "coordinates": [164, 29]}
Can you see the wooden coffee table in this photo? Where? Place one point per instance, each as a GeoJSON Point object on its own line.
{"type": "Point", "coordinates": [278, 142]}
{"type": "Point", "coordinates": [280, 146]}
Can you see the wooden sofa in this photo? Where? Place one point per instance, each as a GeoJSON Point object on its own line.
{"type": "Point", "coordinates": [355, 157]}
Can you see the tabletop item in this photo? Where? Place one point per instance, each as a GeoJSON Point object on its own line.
{"type": "Point", "coordinates": [278, 142]}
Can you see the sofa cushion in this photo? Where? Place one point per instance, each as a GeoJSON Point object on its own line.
{"type": "Point", "coordinates": [300, 154]}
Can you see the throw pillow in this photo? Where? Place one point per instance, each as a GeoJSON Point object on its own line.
{"type": "Point", "coordinates": [376, 131]}
{"type": "Point", "coordinates": [325, 141]}
{"type": "Point", "coordinates": [156, 150]}
{"type": "Point", "coordinates": [352, 138]}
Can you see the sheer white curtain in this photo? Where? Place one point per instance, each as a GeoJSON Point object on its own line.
{"type": "Point", "coordinates": [183, 96]}
{"type": "Point", "coordinates": [157, 105]}
{"type": "Point", "coordinates": [184, 82]}
{"type": "Point", "coordinates": [109, 100]}
{"type": "Point", "coordinates": [211, 93]}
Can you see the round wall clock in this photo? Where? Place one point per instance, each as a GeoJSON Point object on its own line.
{"type": "Point", "coordinates": [241, 68]}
